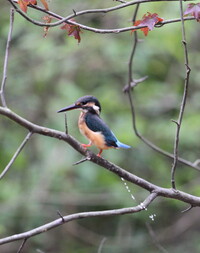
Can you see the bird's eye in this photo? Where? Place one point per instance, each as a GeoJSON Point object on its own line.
{"type": "Point", "coordinates": [83, 103]}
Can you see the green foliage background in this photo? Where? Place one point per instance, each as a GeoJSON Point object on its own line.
{"type": "Point", "coordinates": [46, 74]}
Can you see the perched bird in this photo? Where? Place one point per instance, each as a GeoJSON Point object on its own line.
{"type": "Point", "coordinates": [92, 126]}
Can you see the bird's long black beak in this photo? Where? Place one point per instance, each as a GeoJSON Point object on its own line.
{"type": "Point", "coordinates": [68, 108]}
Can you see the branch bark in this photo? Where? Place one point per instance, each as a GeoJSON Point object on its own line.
{"type": "Point", "coordinates": [88, 28]}
{"type": "Point", "coordinates": [76, 216]}
{"type": "Point", "coordinates": [15, 155]}
{"type": "Point", "coordinates": [154, 190]}
{"type": "Point", "coordinates": [3, 100]}
{"type": "Point", "coordinates": [184, 99]}
{"type": "Point", "coordinates": [160, 191]}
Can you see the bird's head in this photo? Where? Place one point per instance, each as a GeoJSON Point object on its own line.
{"type": "Point", "coordinates": [87, 104]}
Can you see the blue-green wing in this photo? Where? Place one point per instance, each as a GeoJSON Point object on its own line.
{"type": "Point", "coordinates": [96, 124]}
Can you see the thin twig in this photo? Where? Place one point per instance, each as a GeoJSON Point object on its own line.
{"type": "Point", "coordinates": [82, 160]}
{"type": "Point", "coordinates": [134, 83]}
{"type": "Point", "coordinates": [22, 245]}
{"type": "Point", "coordinates": [3, 101]}
{"type": "Point", "coordinates": [187, 209]}
{"type": "Point", "coordinates": [80, 13]}
{"type": "Point", "coordinates": [26, 139]}
{"type": "Point", "coordinates": [66, 126]}
{"type": "Point", "coordinates": [130, 64]}
{"type": "Point", "coordinates": [154, 239]}
{"type": "Point", "coordinates": [88, 28]}
{"type": "Point", "coordinates": [127, 89]}
{"type": "Point", "coordinates": [101, 245]}
{"type": "Point", "coordinates": [184, 99]}
{"type": "Point", "coordinates": [197, 162]}
{"type": "Point", "coordinates": [61, 216]}
{"type": "Point", "coordinates": [130, 81]}
{"type": "Point", "coordinates": [40, 251]}
{"type": "Point", "coordinates": [120, 1]}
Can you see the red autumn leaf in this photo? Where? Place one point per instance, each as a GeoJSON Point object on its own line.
{"type": "Point", "coordinates": [149, 20]}
{"type": "Point", "coordinates": [47, 19]}
{"type": "Point", "coordinates": [24, 3]}
{"type": "Point", "coordinates": [73, 30]}
{"type": "Point", "coordinates": [193, 10]}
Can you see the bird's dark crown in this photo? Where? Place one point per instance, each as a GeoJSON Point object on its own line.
{"type": "Point", "coordinates": [87, 102]}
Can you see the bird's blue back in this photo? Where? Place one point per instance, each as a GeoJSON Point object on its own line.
{"type": "Point", "coordinates": [96, 124]}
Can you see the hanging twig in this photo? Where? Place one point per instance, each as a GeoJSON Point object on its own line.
{"type": "Point", "coordinates": [131, 84]}
{"type": "Point", "coordinates": [154, 239]}
{"type": "Point", "coordinates": [22, 245]}
{"type": "Point", "coordinates": [15, 155]}
{"type": "Point", "coordinates": [66, 126]}
{"type": "Point", "coordinates": [2, 94]}
{"type": "Point", "coordinates": [101, 245]}
{"type": "Point", "coordinates": [184, 99]}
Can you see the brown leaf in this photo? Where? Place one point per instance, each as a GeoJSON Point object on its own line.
{"type": "Point", "coordinates": [45, 4]}
{"type": "Point", "coordinates": [149, 20]}
{"type": "Point", "coordinates": [72, 30]}
{"type": "Point", "coordinates": [193, 10]}
{"type": "Point", "coordinates": [47, 19]}
{"type": "Point", "coordinates": [24, 3]}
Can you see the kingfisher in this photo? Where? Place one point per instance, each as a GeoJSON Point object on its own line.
{"type": "Point", "coordinates": [92, 126]}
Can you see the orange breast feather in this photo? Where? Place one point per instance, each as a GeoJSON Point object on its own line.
{"type": "Point", "coordinates": [96, 138]}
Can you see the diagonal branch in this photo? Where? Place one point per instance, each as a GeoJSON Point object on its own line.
{"type": "Point", "coordinates": [15, 155]}
{"type": "Point", "coordinates": [22, 245]}
{"type": "Point", "coordinates": [184, 99]}
{"type": "Point", "coordinates": [76, 216]}
{"type": "Point", "coordinates": [160, 191]}
{"type": "Point", "coordinates": [3, 101]}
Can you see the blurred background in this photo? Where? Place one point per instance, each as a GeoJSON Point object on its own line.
{"type": "Point", "coordinates": [46, 74]}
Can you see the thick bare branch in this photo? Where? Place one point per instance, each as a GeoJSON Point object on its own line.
{"type": "Point", "coordinates": [160, 191]}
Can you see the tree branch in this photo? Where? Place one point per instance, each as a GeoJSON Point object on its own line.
{"type": "Point", "coordinates": [184, 99]}
{"type": "Point", "coordinates": [155, 239]}
{"type": "Point", "coordinates": [22, 245]}
{"type": "Point", "coordinates": [3, 101]}
{"type": "Point", "coordinates": [15, 155]}
{"type": "Point", "coordinates": [131, 84]}
{"type": "Point", "coordinates": [76, 216]}
{"type": "Point", "coordinates": [160, 191]}
{"type": "Point", "coordinates": [88, 28]}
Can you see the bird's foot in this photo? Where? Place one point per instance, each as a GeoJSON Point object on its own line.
{"type": "Point", "coordinates": [99, 154]}
{"type": "Point", "coordinates": [86, 145]}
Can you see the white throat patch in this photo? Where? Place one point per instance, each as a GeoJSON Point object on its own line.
{"type": "Point", "coordinates": [96, 108]}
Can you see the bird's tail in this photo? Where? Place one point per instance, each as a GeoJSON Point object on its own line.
{"type": "Point", "coordinates": [122, 145]}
